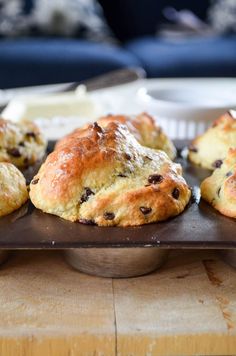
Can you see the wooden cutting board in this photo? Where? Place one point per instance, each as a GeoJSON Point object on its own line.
{"type": "Point", "coordinates": [186, 308]}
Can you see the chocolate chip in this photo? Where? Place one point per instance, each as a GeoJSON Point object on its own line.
{"type": "Point", "coordinates": [150, 159]}
{"type": "Point", "coordinates": [26, 162]}
{"type": "Point", "coordinates": [228, 174]}
{"type": "Point", "coordinates": [97, 127]}
{"type": "Point", "coordinates": [127, 156]}
{"type": "Point", "coordinates": [175, 193]}
{"type": "Point", "coordinates": [35, 181]}
{"type": "Point", "coordinates": [145, 210]}
{"type": "Point", "coordinates": [121, 175]}
{"type": "Point", "coordinates": [109, 216]}
{"type": "Point", "coordinates": [31, 134]}
{"type": "Point", "coordinates": [192, 148]}
{"type": "Point", "coordinates": [14, 152]}
{"type": "Point", "coordinates": [87, 222]}
{"type": "Point", "coordinates": [218, 192]}
{"type": "Point", "coordinates": [155, 178]}
{"type": "Point", "coordinates": [217, 163]}
{"type": "Point", "coordinates": [86, 195]}
{"type": "Point", "coordinates": [22, 144]}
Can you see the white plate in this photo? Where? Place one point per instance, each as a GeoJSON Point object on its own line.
{"type": "Point", "coordinates": [190, 97]}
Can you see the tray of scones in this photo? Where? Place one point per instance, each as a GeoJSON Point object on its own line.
{"type": "Point", "coordinates": [118, 194]}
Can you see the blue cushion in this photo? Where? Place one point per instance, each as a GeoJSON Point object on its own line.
{"type": "Point", "coordinates": [41, 61]}
{"type": "Point", "coordinates": [195, 57]}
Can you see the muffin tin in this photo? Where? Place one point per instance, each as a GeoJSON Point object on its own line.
{"type": "Point", "coordinates": [106, 250]}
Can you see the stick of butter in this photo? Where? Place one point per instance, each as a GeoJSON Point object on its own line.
{"type": "Point", "coordinates": [56, 114]}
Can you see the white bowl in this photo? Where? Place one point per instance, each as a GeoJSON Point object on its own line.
{"type": "Point", "coordinates": [186, 111]}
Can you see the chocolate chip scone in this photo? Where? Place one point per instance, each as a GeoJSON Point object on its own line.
{"type": "Point", "coordinates": [145, 129]}
{"type": "Point", "coordinates": [219, 189]}
{"type": "Point", "coordinates": [209, 149]}
{"type": "Point", "coordinates": [13, 192]}
{"type": "Point", "coordinates": [103, 176]}
{"type": "Point", "coordinates": [21, 143]}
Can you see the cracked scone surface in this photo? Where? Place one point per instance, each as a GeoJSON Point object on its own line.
{"type": "Point", "coordinates": [219, 189]}
{"type": "Point", "coordinates": [13, 192]}
{"type": "Point", "coordinates": [104, 176]}
{"type": "Point", "coordinates": [144, 128]}
{"type": "Point", "coordinates": [21, 143]}
{"type": "Point", "coordinates": [209, 149]}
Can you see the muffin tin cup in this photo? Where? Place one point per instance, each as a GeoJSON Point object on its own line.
{"type": "Point", "coordinates": [228, 256]}
{"type": "Point", "coordinates": [116, 262]}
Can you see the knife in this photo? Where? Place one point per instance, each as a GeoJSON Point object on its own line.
{"type": "Point", "coordinates": [110, 79]}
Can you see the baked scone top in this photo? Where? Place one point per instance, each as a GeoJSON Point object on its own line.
{"type": "Point", "coordinates": [13, 192]}
{"type": "Point", "coordinates": [220, 188]}
{"type": "Point", "coordinates": [21, 143]}
{"type": "Point", "coordinates": [144, 128]}
{"type": "Point", "coordinates": [209, 149]}
{"type": "Point", "coordinates": [104, 176]}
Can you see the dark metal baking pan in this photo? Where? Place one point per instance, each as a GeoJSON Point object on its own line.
{"type": "Point", "coordinates": [228, 256]}
{"type": "Point", "coordinates": [199, 226]}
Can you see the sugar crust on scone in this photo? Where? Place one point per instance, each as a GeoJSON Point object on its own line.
{"type": "Point", "coordinates": [102, 175]}
{"type": "Point", "coordinates": [145, 129]}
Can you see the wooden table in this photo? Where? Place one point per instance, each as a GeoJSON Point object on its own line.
{"type": "Point", "coordinates": [186, 308]}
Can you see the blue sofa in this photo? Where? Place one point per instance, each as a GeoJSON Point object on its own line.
{"type": "Point", "coordinates": [38, 60]}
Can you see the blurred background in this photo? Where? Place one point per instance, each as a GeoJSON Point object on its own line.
{"type": "Point", "coordinates": [55, 41]}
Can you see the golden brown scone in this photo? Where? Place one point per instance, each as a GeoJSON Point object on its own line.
{"type": "Point", "coordinates": [104, 176]}
{"type": "Point", "coordinates": [13, 192]}
{"type": "Point", "coordinates": [21, 143]}
{"type": "Point", "coordinates": [209, 149]}
{"type": "Point", "coordinates": [219, 189]}
{"type": "Point", "coordinates": [144, 128]}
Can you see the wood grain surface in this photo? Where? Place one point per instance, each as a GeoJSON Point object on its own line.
{"type": "Point", "coordinates": [188, 307]}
